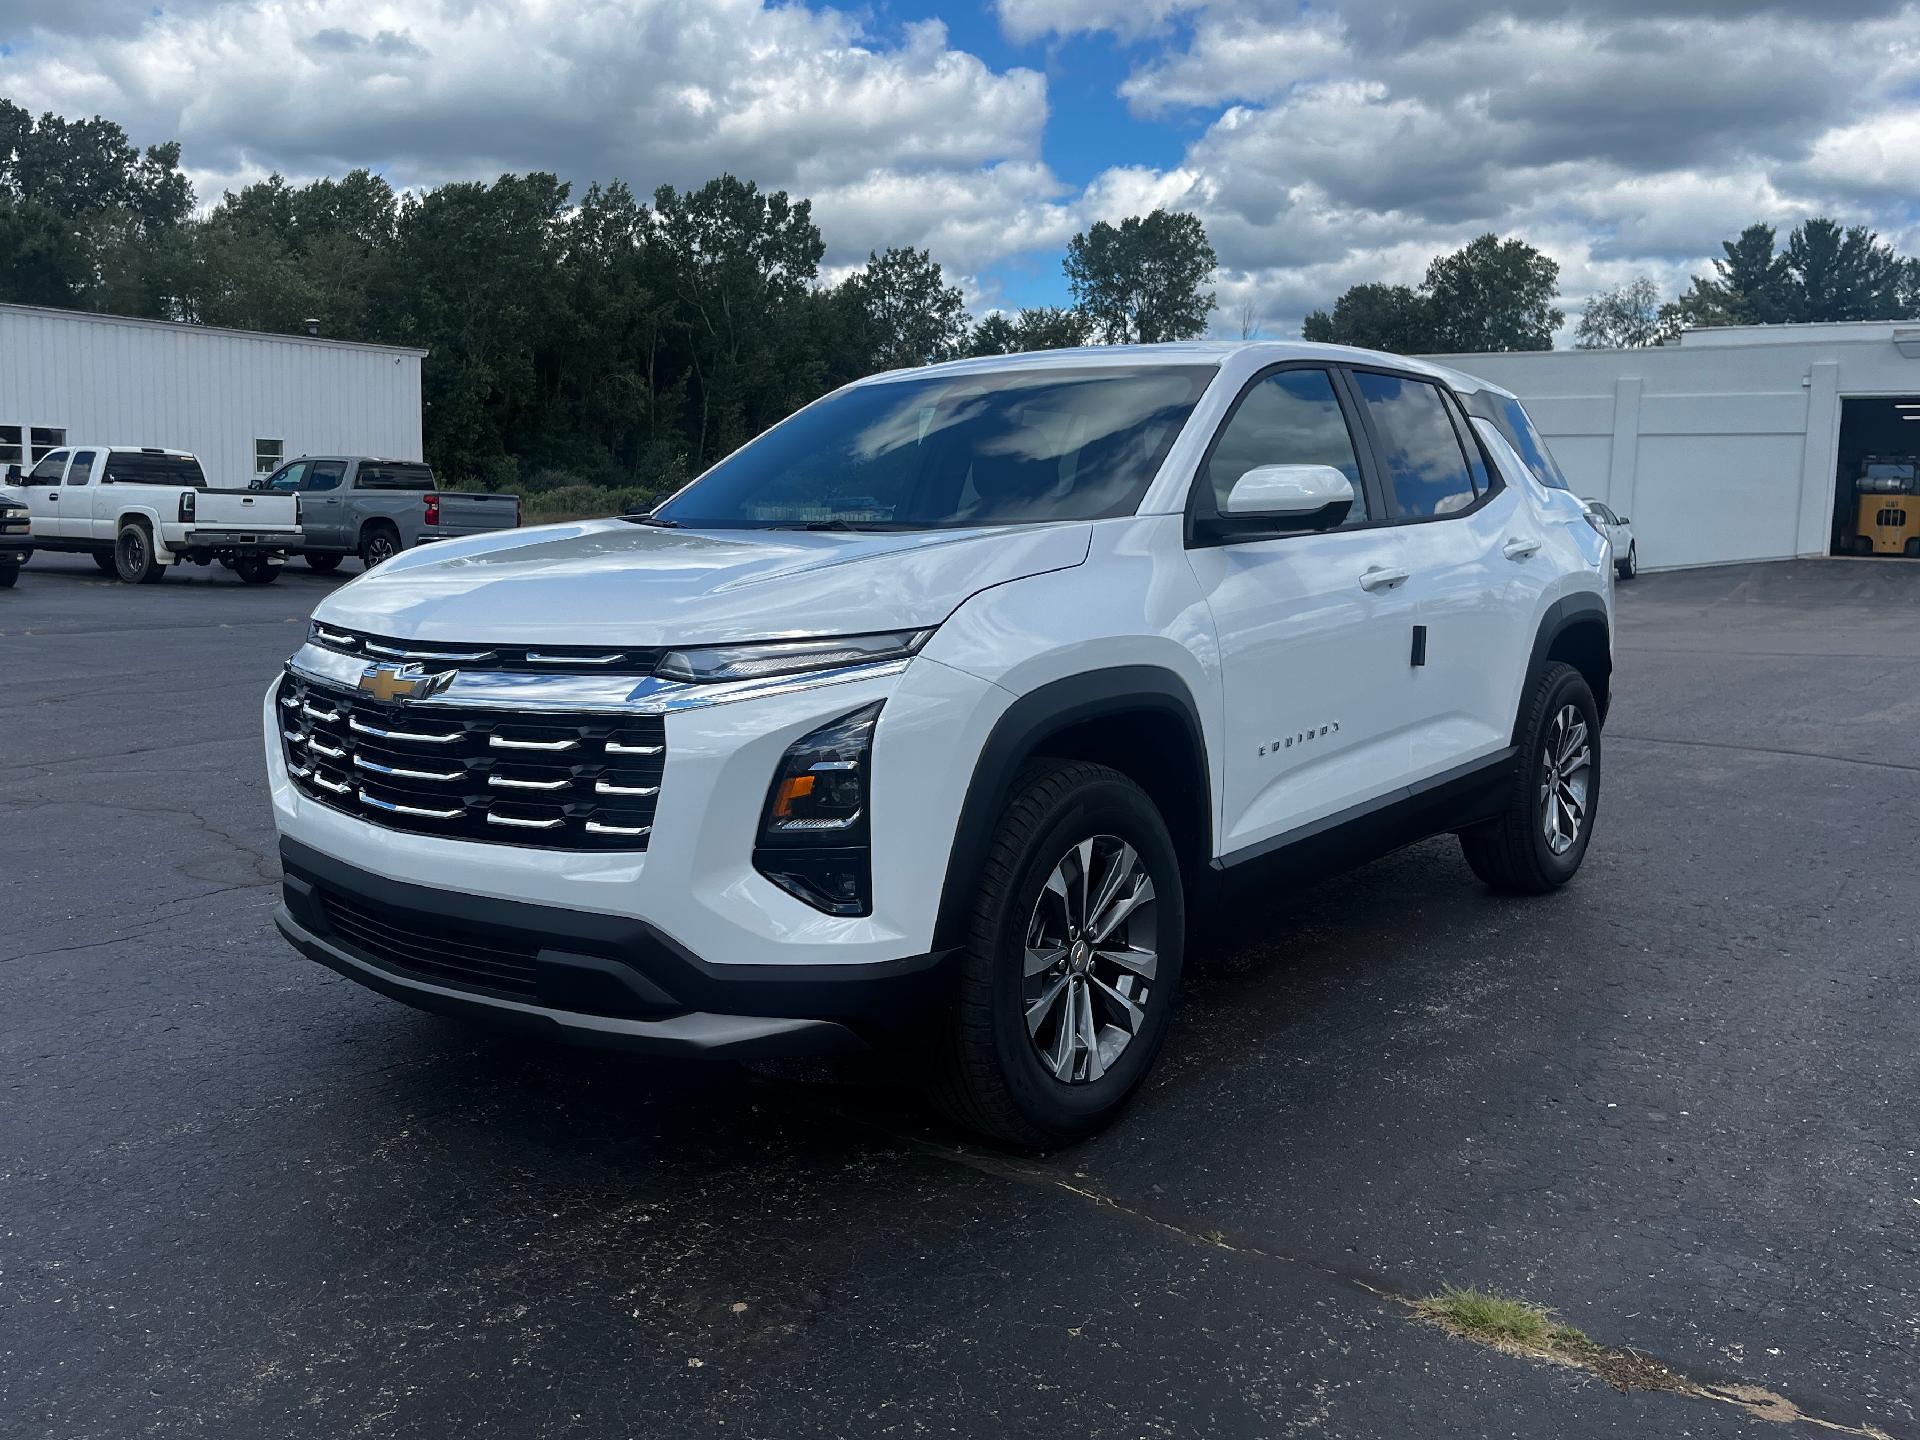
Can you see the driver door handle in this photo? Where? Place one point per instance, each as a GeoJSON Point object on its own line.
{"type": "Point", "coordinates": [1379, 578]}
{"type": "Point", "coordinates": [1519, 549]}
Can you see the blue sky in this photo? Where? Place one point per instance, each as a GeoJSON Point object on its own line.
{"type": "Point", "coordinates": [1321, 142]}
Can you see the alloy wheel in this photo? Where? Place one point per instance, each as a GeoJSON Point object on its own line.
{"type": "Point", "coordinates": [1090, 959]}
{"type": "Point", "coordinates": [1566, 764]}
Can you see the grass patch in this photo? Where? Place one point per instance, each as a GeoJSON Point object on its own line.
{"type": "Point", "coordinates": [1497, 1320]}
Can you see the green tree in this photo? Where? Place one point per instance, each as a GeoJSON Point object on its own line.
{"type": "Point", "coordinates": [1625, 318]}
{"type": "Point", "coordinates": [1842, 274]}
{"type": "Point", "coordinates": [1395, 318]}
{"type": "Point", "coordinates": [1493, 294]}
{"type": "Point", "coordinates": [904, 311]}
{"type": "Point", "coordinates": [1140, 281]}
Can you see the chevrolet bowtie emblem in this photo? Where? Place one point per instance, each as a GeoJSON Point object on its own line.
{"type": "Point", "coordinates": [387, 682]}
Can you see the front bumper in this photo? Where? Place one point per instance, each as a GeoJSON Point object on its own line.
{"type": "Point", "coordinates": [16, 547]}
{"type": "Point", "coordinates": [591, 979]}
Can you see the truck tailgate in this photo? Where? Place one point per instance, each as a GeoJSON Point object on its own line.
{"type": "Point", "coordinates": [469, 514]}
{"type": "Point", "coordinates": [251, 510]}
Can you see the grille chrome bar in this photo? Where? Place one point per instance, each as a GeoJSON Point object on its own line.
{"type": "Point", "coordinates": [416, 737]}
{"type": "Point", "coordinates": [505, 782]}
{"type": "Point", "coordinates": [500, 742]}
{"type": "Point", "coordinates": [396, 652]}
{"type": "Point", "coordinates": [540, 657]}
{"type": "Point", "coordinates": [395, 808]}
{"type": "Point", "coordinates": [614, 747]}
{"type": "Point", "coordinates": [494, 818]}
{"type": "Point", "coordinates": [598, 827]}
{"type": "Point", "coordinates": [405, 774]}
{"type": "Point", "coordinates": [313, 714]}
{"type": "Point", "coordinates": [338, 787]}
{"type": "Point", "coordinates": [334, 637]}
{"type": "Point", "coordinates": [607, 787]}
{"type": "Point", "coordinates": [321, 747]}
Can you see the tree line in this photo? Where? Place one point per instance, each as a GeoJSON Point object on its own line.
{"type": "Point", "coordinates": [1496, 294]}
{"type": "Point", "coordinates": [596, 340]}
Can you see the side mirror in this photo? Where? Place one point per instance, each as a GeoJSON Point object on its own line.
{"type": "Point", "coordinates": [1284, 499]}
{"type": "Point", "coordinates": [1624, 521]}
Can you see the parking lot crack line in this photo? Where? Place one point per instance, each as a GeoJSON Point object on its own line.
{"type": "Point", "coordinates": [1766, 750]}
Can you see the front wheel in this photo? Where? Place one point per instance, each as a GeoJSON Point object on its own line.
{"type": "Point", "coordinates": [1073, 957]}
{"type": "Point", "coordinates": [323, 564]}
{"type": "Point", "coordinates": [133, 558]}
{"type": "Point", "coordinates": [256, 570]}
{"type": "Point", "coordinates": [1540, 838]}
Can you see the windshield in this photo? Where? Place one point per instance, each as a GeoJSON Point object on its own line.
{"type": "Point", "coordinates": [998, 448]}
{"type": "Point", "coordinates": [139, 467]}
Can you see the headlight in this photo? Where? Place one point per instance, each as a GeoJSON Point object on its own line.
{"type": "Point", "coordinates": [766, 658]}
{"type": "Point", "coordinates": [813, 834]}
{"type": "Point", "coordinates": [1599, 525]}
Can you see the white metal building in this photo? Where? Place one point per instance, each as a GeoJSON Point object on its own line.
{"type": "Point", "coordinates": [238, 399]}
{"type": "Point", "coordinates": [1735, 444]}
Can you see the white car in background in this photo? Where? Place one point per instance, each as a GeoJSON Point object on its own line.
{"type": "Point", "coordinates": [1619, 532]}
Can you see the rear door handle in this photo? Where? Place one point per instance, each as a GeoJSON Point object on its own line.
{"type": "Point", "coordinates": [1519, 549]}
{"type": "Point", "coordinates": [1378, 578]}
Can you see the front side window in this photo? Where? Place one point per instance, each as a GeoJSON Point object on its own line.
{"type": "Point", "coordinates": [45, 438]}
{"type": "Point", "coordinates": [1418, 449]}
{"type": "Point", "coordinates": [149, 467]}
{"type": "Point", "coordinates": [947, 451]}
{"type": "Point", "coordinates": [47, 472]}
{"type": "Point", "coordinates": [81, 470]}
{"type": "Point", "coordinates": [288, 480]}
{"type": "Point", "coordinates": [1292, 417]}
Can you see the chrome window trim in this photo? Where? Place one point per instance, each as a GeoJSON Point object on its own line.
{"type": "Point", "coordinates": [586, 693]}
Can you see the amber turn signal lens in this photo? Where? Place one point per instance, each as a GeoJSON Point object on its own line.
{"type": "Point", "coordinates": [794, 787]}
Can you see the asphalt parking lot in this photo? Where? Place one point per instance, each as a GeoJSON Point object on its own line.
{"type": "Point", "coordinates": [1678, 1102]}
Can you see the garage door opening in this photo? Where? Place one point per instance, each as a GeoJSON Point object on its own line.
{"type": "Point", "coordinates": [1876, 494]}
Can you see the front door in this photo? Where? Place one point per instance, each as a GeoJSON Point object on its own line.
{"type": "Point", "coordinates": [1313, 628]}
{"type": "Point", "coordinates": [41, 491]}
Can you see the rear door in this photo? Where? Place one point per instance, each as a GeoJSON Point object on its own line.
{"type": "Point", "coordinates": [1471, 545]}
{"type": "Point", "coordinates": [323, 506]}
{"type": "Point", "coordinates": [77, 497]}
{"type": "Point", "coordinates": [41, 491]}
{"type": "Point", "coordinates": [1313, 628]}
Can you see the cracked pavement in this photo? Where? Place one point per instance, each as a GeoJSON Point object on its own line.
{"type": "Point", "coordinates": [240, 1196]}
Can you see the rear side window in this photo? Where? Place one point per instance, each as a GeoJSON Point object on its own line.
{"type": "Point", "coordinates": [1418, 450]}
{"type": "Point", "coordinates": [1291, 417]}
{"type": "Point", "coordinates": [325, 475]}
{"type": "Point", "coordinates": [81, 470]}
{"type": "Point", "coordinates": [1510, 418]}
{"type": "Point", "coordinates": [147, 467]}
{"type": "Point", "coordinates": [395, 477]}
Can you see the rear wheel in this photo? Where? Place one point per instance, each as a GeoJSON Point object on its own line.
{"type": "Point", "coordinates": [256, 570]}
{"type": "Point", "coordinates": [1073, 957]}
{"type": "Point", "coordinates": [133, 558]}
{"type": "Point", "coordinates": [1540, 838]}
{"type": "Point", "coordinates": [1913, 547]}
{"type": "Point", "coordinates": [323, 564]}
{"type": "Point", "coordinates": [1862, 545]}
{"type": "Point", "coordinates": [1630, 566]}
{"type": "Point", "coordinates": [379, 545]}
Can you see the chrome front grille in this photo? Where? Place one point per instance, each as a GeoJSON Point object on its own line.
{"type": "Point", "coordinates": [558, 781]}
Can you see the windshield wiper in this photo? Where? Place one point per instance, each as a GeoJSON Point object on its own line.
{"type": "Point", "coordinates": [659, 520]}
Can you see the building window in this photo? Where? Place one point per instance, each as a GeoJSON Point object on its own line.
{"type": "Point", "coordinates": [267, 455]}
{"type": "Point", "coordinates": [11, 450]}
{"type": "Point", "coordinates": [44, 438]}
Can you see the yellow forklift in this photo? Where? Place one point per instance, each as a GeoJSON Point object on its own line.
{"type": "Point", "coordinates": [1888, 522]}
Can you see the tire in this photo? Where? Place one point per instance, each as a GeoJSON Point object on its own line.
{"type": "Point", "coordinates": [8, 574]}
{"type": "Point", "coordinates": [1630, 566]}
{"type": "Point", "coordinates": [103, 562]}
{"type": "Point", "coordinates": [323, 564]}
{"type": "Point", "coordinates": [991, 1076]}
{"type": "Point", "coordinates": [133, 558]}
{"type": "Point", "coordinates": [1862, 545]}
{"type": "Point", "coordinates": [1515, 853]}
{"type": "Point", "coordinates": [1913, 548]}
{"type": "Point", "coordinates": [255, 570]}
{"type": "Point", "coordinates": [379, 544]}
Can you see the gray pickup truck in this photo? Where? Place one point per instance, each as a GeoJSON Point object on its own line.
{"type": "Point", "coordinates": [359, 505]}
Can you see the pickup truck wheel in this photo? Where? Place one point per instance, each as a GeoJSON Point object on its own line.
{"type": "Point", "coordinates": [255, 570]}
{"type": "Point", "coordinates": [323, 564]}
{"type": "Point", "coordinates": [1073, 957]}
{"type": "Point", "coordinates": [133, 558]}
{"type": "Point", "coordinates": [1541, 837]}
{"type": "Point", "coordinates": [379, 545]}
{"type": "Point", "coordinates": [8, 574]}
{"type": "Point", "coordinates": [103, 561]}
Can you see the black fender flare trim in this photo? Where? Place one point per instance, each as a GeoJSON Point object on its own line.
{"type": "Point", "coordinates": [1581, 608]}
{"type": "Point", "coordinates": [1027, 724]}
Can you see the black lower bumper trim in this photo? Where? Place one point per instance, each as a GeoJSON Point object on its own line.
{"type": "Point", "coordinates": [599, 979]}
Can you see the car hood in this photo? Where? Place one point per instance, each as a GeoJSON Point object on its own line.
{"type": "Point", "coordinates": [609, 582]}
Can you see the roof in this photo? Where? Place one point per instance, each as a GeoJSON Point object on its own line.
{"type": "Point", "coordinates": [1186, 352]}
{"type": "Point", "coordinates": [188, 327]}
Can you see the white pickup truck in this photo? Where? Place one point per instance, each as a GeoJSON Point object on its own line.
{"type": "Point", "coordinates": [137, 511]}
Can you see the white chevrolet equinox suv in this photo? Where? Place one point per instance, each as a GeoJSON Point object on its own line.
{"type": "Point", "coordinates": [930, 719]}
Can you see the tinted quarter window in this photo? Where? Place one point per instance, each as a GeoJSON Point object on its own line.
{"type": "Point", "coordinates": [1419, 451]}
{"type": "Point", "coordinates": [325, 475]}
{"type": "Point", "coordinates": [81, 470]}
{"type": "Point", "coordinates": [395, 477]}
{"type": "Point", "coordinates": [1291, 417]}
{"type": "Point", "coordinates": [142, 467]}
